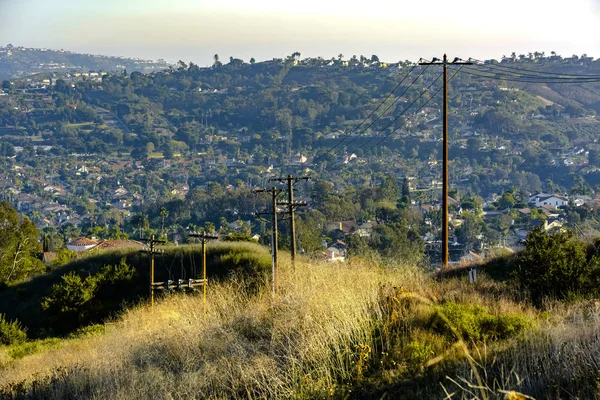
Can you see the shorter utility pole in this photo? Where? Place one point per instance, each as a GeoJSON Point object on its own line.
{"type": "Point", "coordinates": [291, 208]}
{"type": "Point", "coordinates": [152, 251]}
{"type": "Point", "coordinates": [205, 237]}
{"type": "Point", "coordinates": [275, 236]}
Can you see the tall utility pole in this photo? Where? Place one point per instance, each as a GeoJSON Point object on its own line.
{"type": "Point", "coordinates": [291, 207]}
{"type": "Point", "coordinates": [152, 251]}
{"type": "Point", "coordinates": [274, 237]}
{"type": "Point", "coordinates": [205, 237]}
{"type": "Point", "coordinates": [445, 63]}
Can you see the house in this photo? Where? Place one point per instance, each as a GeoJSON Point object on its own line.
{"type": "Point", "coordinates": [118, 244]}
{"type": "Point", "coordinates": [344, 226]}
{"type": "Point", "coordinates": [365, 229]}
{"type": "Point", "coordinates": [298, 159]}
{"type": "Point", "coordinates": [82, 244]}
{"type": "Point", "coordinates": [552, 199]}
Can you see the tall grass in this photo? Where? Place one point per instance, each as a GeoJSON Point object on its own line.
{"type": "Point", "coordinates": [361, 329]}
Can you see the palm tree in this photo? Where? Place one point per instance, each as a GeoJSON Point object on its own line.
{"type": "Point", "coordinates": [164, 213]}
{"type": "Point", "coordinates": [139, 221]}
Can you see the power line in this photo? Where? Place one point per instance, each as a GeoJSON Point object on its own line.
{"type": "Point", "coordinates": [377, 108]}
{"type": "Point", "coordinates": [390, 106]}
{"type": "Point", "coordinates": [414, 114]}
{"type": "Point", "coordinates": [515, 78]}
{"type": "Point", "coordinates": [519, 69]}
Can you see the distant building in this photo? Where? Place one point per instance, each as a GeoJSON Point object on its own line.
{"type": "Point", "coordinates": [82, 244]}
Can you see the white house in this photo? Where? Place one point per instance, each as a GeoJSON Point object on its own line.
{"type": "Point", "coordinates": [549, 199]}
{"type": "Point", "coordinates": [82, 244]}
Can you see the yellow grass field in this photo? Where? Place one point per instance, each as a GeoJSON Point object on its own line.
{"type": "Point", "coordinates": [365, 329]}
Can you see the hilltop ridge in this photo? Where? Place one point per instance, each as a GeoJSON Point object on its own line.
{"type": "Point", "coordinates": [19, 61]}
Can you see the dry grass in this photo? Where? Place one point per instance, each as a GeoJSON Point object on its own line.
{"type": "Point", "coordinates": [315, 339]}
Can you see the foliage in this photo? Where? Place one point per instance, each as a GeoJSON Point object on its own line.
{"type": "Point", "coordinates": [11, 332]}
{"type": "Point", "coordinates": [558, 265]}
{"type": "Point", "coordinates": [19, 247]}
{"type": "Point", "coordinates": [63, 256]}
{"type": "Point", "coordinates": [78, 301]}
{"type": "Point", "coordinates": [474, 322]}
{"type": "Point", "coordinates": [238, 237]}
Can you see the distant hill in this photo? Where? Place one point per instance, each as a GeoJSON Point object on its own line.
{"type": "Point", "coordinates": [17, 62]}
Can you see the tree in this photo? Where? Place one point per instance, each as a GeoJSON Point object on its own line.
{"type": "Point", "coordinates": [469, 230]}
{"type": "Point", "coordinates": [139, 222]}
{"type": "Point", "coordinates": [252, 61]}
{"type": "Point", "coordinates": [374, 58]}
{"type": "Point", "coordinates": [164, 213]}
{"type": "Point", "coordinates": [506, 201]}
{"type": "Point", "coordinates": [19, 246]}
{"type": "Point", "coordinates": [404, 194]}
{"type": "Point", "coordinates": [6, 85]}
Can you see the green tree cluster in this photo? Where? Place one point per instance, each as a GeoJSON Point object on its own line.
{"type": "Point", "coordinates": [19, 247]}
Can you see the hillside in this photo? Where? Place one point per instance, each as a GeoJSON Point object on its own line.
{"type": "Point", "coordinates": [362, 330]}
{"type": "Point", "coordinates": [123, 288]}
{"type": "Point", "coordinates": [19, 61]}
{"type": "Point", "coordinates": [168, 152]}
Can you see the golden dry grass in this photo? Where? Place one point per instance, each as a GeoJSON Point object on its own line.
{"type": "Point", "coordinates": [314, 339]}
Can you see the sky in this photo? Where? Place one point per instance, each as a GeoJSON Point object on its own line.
{"type": "Point", "coordinates": [195, 30]}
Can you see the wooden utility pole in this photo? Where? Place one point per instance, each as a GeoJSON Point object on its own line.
{"type": "Point", "coordinates": [291, 208]}
{"type": "Point", "coordinates": [275, 235]}
{"type": "Point", "coordinates": [444, 63]}
{"type": "Point", "coordinates": [205, 237]}
{"type": "Point", "coordinates": [152, 251]}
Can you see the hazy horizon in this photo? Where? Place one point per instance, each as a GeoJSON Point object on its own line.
{"type": "Point", "coordinates": [195, 31]}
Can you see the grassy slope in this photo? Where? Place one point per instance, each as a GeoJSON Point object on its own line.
{"type": "Point", "coordinates": [359, 330]}
{"type": "Point", "coordinates": [23, 301]}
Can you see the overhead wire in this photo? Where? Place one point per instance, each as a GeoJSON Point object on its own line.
{"type": "Point", "coordinates": [378, 107]}
{"type": "Point", "coordinates": [415, 113]}
{"type": "Point", "coordinates": [525, 70]}
{"type": "Point", "coordinates": [403, 112]}
{"type": "Point", "coordinates": [389, 107]}
{"type": "Point", "coordinates": [494, 73]}
{"type": "Point", "coordinates": [515, 78]}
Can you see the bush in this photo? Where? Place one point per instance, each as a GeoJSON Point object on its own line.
{"type": "Point", "coordinates": [78, 301]}
{"type": "Point", "coordinates": [557, 265]}
{"type": "Point", "coordinates": [474, 323]}
{"type": "Point", "coordinates": [11, 332]}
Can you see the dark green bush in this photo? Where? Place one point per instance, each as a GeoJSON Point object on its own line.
{"type": "Point", "coordinates": [557, 265]}
{"type": "Point", "coordinates": [78, 301]}
{"type": "Point", "coordinates": [11, 332]}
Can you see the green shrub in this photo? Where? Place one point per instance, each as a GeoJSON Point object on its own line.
{"type": "Point", "coordinates": [11, 332]}
{"type": "Point", "coordinates": [29, 348]}
{"type": "Point", "coordinates": [417, 354]}
{"type": "Point", "coordinates": [474, 322]}
{"type": "Point", "coordinates": [78, 301]}
{"type": "Point", "coordinates": [90, 330]}
{"type": "Point", "coordinates": [557, 265]}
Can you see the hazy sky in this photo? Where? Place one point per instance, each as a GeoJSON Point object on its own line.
{"type": "Point", "coordinates": [194, 30]}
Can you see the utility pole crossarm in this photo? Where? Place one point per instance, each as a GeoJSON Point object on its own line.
{"type": "Point", "coordinates": [445, 216]}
